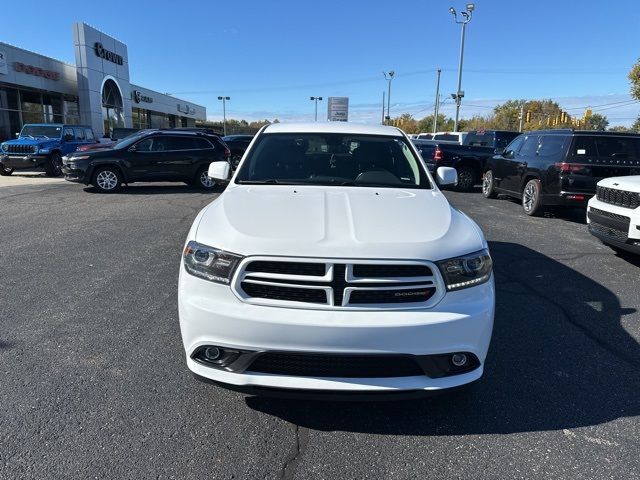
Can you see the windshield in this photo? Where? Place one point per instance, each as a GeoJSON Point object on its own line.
{"type": "Point", "coordinates": [333, 159]}
{"type": "Point", "coordinates": [131, 139]}
{"type": "Point", "coordinates": [41, 131]}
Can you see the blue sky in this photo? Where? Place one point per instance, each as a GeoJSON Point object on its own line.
{"type": "Point", "coordinates": [271, 56]}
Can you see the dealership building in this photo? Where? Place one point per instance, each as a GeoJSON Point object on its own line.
{"type": "Point", "coordinates": [95, 91]}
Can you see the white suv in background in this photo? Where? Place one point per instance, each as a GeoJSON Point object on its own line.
{"type": "Point", "coordinates": [332, 262]}
{"type": "Point", "coordinates": [613, 214]}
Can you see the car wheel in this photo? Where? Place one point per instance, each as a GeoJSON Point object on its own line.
{"type": "Point", "coordinates": [466, 179]}
{"type": "Point", "coordinates": [53, 166]}
{"type": "Point", "coordinates": [488, 186]}
{"type": "Point", "coordinates": [531, 201]}
{"type": "Point", "coordinates": [107, 179]}
{"type": "Point", "coordinates": [203, 180]}
{"type": "Point", "coordinates": [5, 171]}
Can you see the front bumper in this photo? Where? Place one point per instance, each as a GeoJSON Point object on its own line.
{"type": "Point", "coordinates": [617, 226]}
{"type": "Point", "coordinates": [210, 314]}
{"type": "Point", "coordinates": [21, 161]}
{"type": "Point", "coordinates": [75, 171]}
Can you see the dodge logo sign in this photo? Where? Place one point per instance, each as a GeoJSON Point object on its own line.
{"type": "Point", "coordinates": [107, 55]}
{"type": "Point", "coordinates": [37, 71]}
{"type": "Point", "coordinates": [139, 97]}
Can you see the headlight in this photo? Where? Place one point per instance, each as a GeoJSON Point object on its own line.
{"type": "Point", "coordinates": [210, 263]}
{"type": "Point", "coordinates": [34, 148]}
{"type": "Point", "coordinates": [466, 271]}
{"type": "Point", "coordinates": [4, 147]}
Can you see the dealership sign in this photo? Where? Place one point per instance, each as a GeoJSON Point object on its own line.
{"type": "Point", "coordinates": [140, 97]}
{"type": "Point", "coordinates": [3, 63]}
{"type": "Point", "coordinates": [338, 109]}
{"type": "Point", "coordinates": [37, 71]}
{"type": "Point", "coordinates": [189, 110]}
{"type": "Point", "coordinates": [107, 55]}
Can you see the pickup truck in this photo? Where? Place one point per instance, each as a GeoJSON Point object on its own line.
{"type": "Point", "coordinates": [469, 158]}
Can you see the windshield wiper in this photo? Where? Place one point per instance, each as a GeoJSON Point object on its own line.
{"type": "Point", "coordinates": [270, 181]}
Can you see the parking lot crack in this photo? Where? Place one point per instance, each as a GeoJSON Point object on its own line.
{"type": "Point", "coordinates": [293, 458]}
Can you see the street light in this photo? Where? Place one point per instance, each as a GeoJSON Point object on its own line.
{"type": "Point", "coordinates": [316, 100]}
{"type": "Point", "coordinates": [388, 77]}
{"type": "Point", "coordinates": [470, 7]}
{"type": "Point", "coordinates": [224, 114]}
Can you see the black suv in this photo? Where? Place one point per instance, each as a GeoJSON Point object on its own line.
{"type": "Point", "coordinates": [559, 167]}
{"type": "Point", "coordinates": [149, 156]}
{"type": "Point", "coordinates": [238, 144]}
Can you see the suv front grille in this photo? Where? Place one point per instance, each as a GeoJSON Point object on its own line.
{"type": "Point", "coordinates": [620, 198]}
{"type": "Point", "coordinates": [338, 284]}
{"type": "Point", "coordinates": [345, 366]}
{"type": "Point", "coordinates": [612, 233]}
{"type": "Point", "coordinates": [21, 149]}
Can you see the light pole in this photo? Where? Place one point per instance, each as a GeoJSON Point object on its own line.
{"type": "Point", "coordinates": [436, 105]}
{"type": "Point", "coordinates": [224, 114]}
{"type": "Point", "coordinates": [316, 100]}
{"type": "Point", "coordinates": [388, 77]}
{"type": "Point", "coordinates": [466, 19]}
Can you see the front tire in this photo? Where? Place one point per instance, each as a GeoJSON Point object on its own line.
{"type": "Point", "coordinates": [5, 171]}
{"type": "Point", "coordinates": [203, 180]}
{"type": "Point", "coordinates": [53, 165]}
{"type": "Point", "coordinates": [466, 179]}
{"type": "Point", "coordinates": [531, 198]}
{"type": "Point", "coordinates": [488, 185]}
{"type": "Point", "coordinates": [107, 179]}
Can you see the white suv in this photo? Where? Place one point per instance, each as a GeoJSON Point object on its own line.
{"type": "Point", "coordinates": [332, 262]}
{"type": "Point", "coordinates": [613, 214]}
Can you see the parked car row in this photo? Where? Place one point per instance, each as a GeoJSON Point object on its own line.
{"type": "Point", "coordinates": [130, 155]}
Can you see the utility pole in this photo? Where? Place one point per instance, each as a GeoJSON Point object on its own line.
{"type": "Point", "coordinates": [382, 108]}
{"type": "Point", "coordinates": [459, 93]}
{"type": "Point", "coordinates": [316, 100]}
{"type": "Point", "coordinates": [521, 116]}
{"type": "Point", "coordinates": [437, 104]}
{"type": "Point", "coordinates": [224, 114]}
{"type": "Point", "coordinates": [388, 77]}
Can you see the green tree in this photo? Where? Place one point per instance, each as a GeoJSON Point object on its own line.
{"type": "Point", "coordinates": [634, 80]}
{"type": "Point", "coordinates": [425, 124]}
{"type": "Point", "coordinates": [636, 125]}
{"type": "Point", "coordinates": [619, 128]}
{"type": "Point", "coordinates": [596, 121]}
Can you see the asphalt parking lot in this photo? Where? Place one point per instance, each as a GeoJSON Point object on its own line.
{"type": "Point", "coordinates": [94, 384]}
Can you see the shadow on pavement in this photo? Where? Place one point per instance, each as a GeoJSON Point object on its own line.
{"type": "Point", "coordinates": [559, 359]}
{"type": "Point", "coordinates": [155, 189]}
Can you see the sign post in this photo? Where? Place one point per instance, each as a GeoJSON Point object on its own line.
{"type": "Point", "coordinates": [338, 109]}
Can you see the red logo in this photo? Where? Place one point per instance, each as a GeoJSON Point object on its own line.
{"type": "Point", "coordinates": [37, 71]}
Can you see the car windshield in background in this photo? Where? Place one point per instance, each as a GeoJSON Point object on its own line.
{"type": "Point", "coordinates": [46, 131]}
{"type": "Point", "coordinates": [333, 159]}
{"type": "Point", "coordinates": [128, 141]}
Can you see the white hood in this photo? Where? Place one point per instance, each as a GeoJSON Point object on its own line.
{"type": "Point", "coordinates": [337, 222]}
{"type": "Point", "coordinates": [630, 183]}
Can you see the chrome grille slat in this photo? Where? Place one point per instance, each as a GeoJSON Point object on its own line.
{"type": "Point", "coordinates": [269, 281]}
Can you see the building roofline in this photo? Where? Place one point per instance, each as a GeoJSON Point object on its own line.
{"type": "Point", "coordinates": [38, 54]}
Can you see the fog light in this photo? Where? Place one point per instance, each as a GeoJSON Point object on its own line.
{"type": "Point", "coordinates": [458, 359]}
{"type": "Point", "coordinates": [212, 353]}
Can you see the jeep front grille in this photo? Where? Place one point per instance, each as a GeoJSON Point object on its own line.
{"type": "Point", "coordinates": [620, 198]}
{"type": "Point", "coordinates": [338, 284]}
{"type": "Point", "coordinates": [21, 149]}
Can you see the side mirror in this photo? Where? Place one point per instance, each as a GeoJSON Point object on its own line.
{"type": "Point", "coordinates": [499, 151]}
{"type": "Point", "coordinates": [219, 171]}
{"type": "Point", "coordinates": [446, 176]}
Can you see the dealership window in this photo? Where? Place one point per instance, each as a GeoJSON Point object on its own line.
{"type": "Point", "coordinates": [71, 110]}
{"type": "Point", "coordinates": [31, 105]}
{"type": "Point", "coordinates": [112, 107]}
{"type": "Point", "coordinates": [9, 124]}
{"type": "Point", "coordinates": [159, 120]}
{"type": "Point", "coordinates": [140, 118]}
